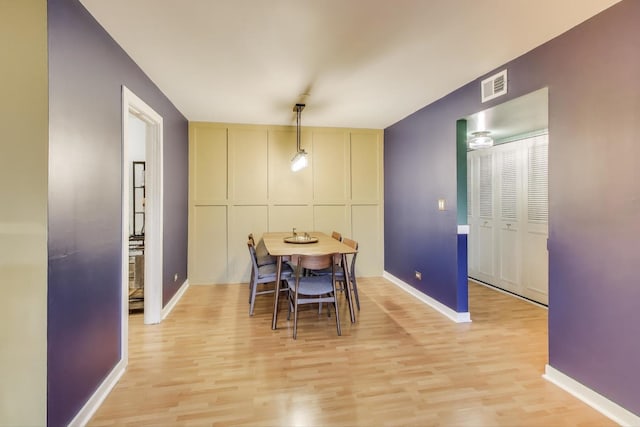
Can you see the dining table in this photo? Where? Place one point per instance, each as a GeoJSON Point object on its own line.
{"type": "Point", "coordinates": [285, 245]}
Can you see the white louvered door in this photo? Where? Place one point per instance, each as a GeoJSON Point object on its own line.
{"type": "Point", "coordinates": [508, 216]}
{"type": "Point", "coordinates": [485, 244]}
{"type": "Point", "coordinates": [535, 279]}
{"type": "Point", "coordinates": [509, 200]}
{"type": "Point", "coordinates": [472, 252]}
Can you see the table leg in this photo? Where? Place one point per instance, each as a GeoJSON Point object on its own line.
{"type": "Point", "coordinates": [347, 284]}
{"type": "Point", "coordinates": [274, 319]}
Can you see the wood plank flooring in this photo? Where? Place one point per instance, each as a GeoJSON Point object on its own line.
{"type": "Point", "coordinates": [401, 364]}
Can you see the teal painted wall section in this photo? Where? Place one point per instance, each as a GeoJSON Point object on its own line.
{"type": "Point", "coordinates": [461, 169]}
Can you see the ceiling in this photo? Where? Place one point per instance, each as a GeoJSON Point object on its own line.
{"type": "Point", "coordinates": [354, 63]}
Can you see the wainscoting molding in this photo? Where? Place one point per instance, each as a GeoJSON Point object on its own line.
{"type": "Point", "coordinates": [241, 182]}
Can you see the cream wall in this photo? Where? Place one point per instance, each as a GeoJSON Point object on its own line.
{"type": "Point", "coordinates": [23, 212]}
{"type": "Point", "coordinates": [240, 182]}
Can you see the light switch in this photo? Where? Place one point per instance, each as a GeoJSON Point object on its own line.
{"type": "Point", "coordinates": [440, 204]}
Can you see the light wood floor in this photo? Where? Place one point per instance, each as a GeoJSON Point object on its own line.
{"type": "Point", "coordinates": [402, 364]}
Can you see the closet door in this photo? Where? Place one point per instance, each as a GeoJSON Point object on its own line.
{"type": "Point", "coordinates": [535, 256]}
{"type": "Point", "coordinates": [509, 202]}
{"type": "Point", "coordinates": [472, 213]}
{"type": "Point", "coordinates": [486, 259]}
{"type": "Point", "coordinates": [508, 217]}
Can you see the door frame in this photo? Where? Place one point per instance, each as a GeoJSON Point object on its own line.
{"type": "Point", "coordinates": [132, 104]}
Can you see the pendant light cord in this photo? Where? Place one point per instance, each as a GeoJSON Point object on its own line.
{"type": "Point", "coordinates": [298, 110]}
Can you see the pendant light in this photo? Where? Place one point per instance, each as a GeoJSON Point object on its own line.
{"type": "Point", "coordinates": [480, 139]}
{"type": "Point", "coordinates": [299, 161]}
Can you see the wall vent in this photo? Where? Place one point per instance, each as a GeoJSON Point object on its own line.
{"type": "Point", "coordinates": [494, 86]}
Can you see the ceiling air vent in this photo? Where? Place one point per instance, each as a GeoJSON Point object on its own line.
{"type": "Point", "coordinates": [494, 86]}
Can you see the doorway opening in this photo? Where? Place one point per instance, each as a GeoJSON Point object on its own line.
{"type": "Point", "coordinates": [137, 194]}
{"type": "Point", "coordinates": [141, 207]}
{"type": "Point", "coordinates": [507, 198]}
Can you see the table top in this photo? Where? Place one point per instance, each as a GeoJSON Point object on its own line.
{"type": "Point", "coordinates": [276, 246]}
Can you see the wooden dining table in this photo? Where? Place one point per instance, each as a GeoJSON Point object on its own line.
{"type": "Point", "coordinates": [279, 248]}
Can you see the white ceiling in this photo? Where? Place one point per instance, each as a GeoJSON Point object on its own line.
{"type": "Point", "coordinates": [355, 63]}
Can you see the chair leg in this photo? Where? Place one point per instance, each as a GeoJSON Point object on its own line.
{"type": "Point", "coordinates": [250, 284]}
{"type": "Point", "coordinates": [320, 309]}
{"type": "Point", "coordinates": [335, 305]}
{"type": "Point", "coordinates": [295, 316]}
{"type": "Point", "coordinates": [252, 299]}
{"type": "Point", "coordinates": [355, 292]}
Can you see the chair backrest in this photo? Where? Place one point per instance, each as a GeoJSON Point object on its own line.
{"type": "Point", "coordinates": [313, 262]}
{"type": "Point", "coordinates": [335, 235]}
{"type": "Point", "coordinates": [352, 244]}
{"type": "Point", "coordinates": [261, 250]}
{"type": "Point", "coordinates": [252, 254]}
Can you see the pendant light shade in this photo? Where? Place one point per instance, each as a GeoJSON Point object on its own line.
{"type": "Point", "coordinates": [480, 139]}
{"type": "Point", "coordinates": [300, 160]}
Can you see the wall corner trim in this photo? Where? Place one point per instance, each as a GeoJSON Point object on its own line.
{"type": "Point", "coordinates": [453, 315]}
{"type": "Point", "coordinates": [84, 415]}
{"type": "Point", "coordinates": [598, 402]}
{"type": "Point", "coordinates": [174, 300]}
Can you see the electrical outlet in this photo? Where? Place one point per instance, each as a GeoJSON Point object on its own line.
{"type": "Point", "coordinates": [175, 277]}
{"type": "Point", "coordinates": [418, 275]}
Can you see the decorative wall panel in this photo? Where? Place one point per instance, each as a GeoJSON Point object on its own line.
{"type": "Point", "coordinates": [265, 195]}
{"type": "Point", "coordinates": [242, 221]}
{"type": "Point", "coordinates": [209, 168]}
{"type": "Point", "coordinates": [248, 170]}
{"type": "Point", "coordinates": [366, 166]}
{"type": "Point", "coordinates": [284, 218]}
{"type": "Point", "coordinates": [329, 218]}
{"type": "Point", "coordinates": [330, 166]}
{"type": "Point", "coordinates": [286, 186]}
{"type": "Point", "coordinates": [208, 258]}
{"type": "Point", "coordinates": [365, 218]}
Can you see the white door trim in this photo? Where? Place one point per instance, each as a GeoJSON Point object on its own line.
{"type": "Point", "coordinates": [131, 104]}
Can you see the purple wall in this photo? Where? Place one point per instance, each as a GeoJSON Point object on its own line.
{"type": "Point", "coordinates": [86, 72]}
{"type": "Point", "coordinates": [420, 168]}
{"type": "Point", "coordinates": [593, 76]}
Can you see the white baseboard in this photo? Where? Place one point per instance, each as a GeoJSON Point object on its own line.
{"type": "Point", "coordinates": [92, 405]}
{"type": "Point", "coordinates": [598, 402]}
{"type": "Point", "coordinates": [173, 301]}
{"type": "Point", "coordinates": [436, 305]}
